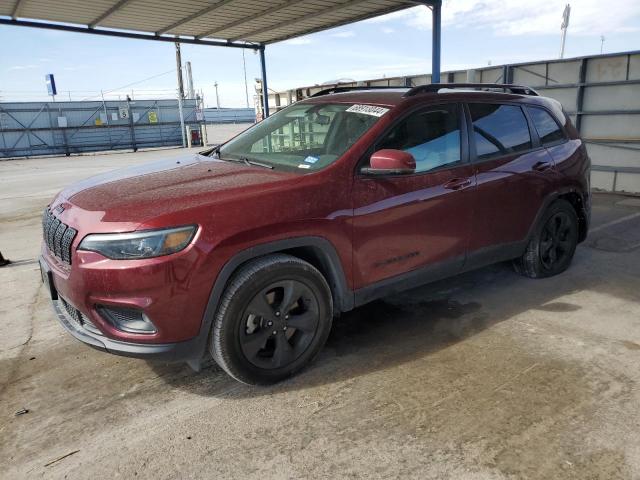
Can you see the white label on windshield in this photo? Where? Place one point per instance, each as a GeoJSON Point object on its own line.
{"type": "Point", "coordinates": [368, 110]}
{"type": "Point", "coordinates": [304, 165]}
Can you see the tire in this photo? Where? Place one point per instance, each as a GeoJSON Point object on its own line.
{"type": "Point", "coordinates": [553, 244]}
{"type": "Point", "coordinates": [274, 318]}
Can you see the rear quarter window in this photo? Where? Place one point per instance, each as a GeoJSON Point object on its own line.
{"type": "Point", "coordinates": [499, 130]}
{"type": "Point", "coordinates": [548, 129]}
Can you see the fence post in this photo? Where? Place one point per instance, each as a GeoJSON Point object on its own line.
{"type": "Point", "coordinates": [67, 152]}
{"type": "Point", "coordinates": [184, 138]}
{"type": "Point", "coordinates": [582, 78]}
{"type": "Point", "coordinates": [131, 126]}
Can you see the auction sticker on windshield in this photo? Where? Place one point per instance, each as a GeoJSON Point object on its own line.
{"type": "Point", "coordinates": [367, 110]}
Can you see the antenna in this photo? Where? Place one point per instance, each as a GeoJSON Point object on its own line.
{"type": "Point", "coordinates": [564, 26]}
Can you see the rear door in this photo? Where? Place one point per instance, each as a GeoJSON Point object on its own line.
{"type": "Point", "coordinates": [513, 174]}
{"type": "Point", "coordinates": [405, 222]}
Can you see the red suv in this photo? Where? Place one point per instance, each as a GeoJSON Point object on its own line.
{"type": "Point", "coordinates": [248, 251]}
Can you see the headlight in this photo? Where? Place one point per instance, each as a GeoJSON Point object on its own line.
{"type": "Point", "coordinates": [148, 244]}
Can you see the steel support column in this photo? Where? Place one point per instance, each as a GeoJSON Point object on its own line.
{"type": "Point", "coordinates": [265, 89]}
{"type": "Point", "coordinates": [436, 12]}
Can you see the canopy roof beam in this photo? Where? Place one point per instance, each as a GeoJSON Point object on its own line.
{"type": "Point", "coordinates": [204, 11]}
{"type": "Point", "coordinates": [15, 13]}
{"type": "Point", "coordinates": [332, 9]}
{"type": "Point", "coordinates": [137, 36]}
{"type": "Point", "coordinates": [256, 16]}
{"type": "Point", "coordinates": [117, 6]}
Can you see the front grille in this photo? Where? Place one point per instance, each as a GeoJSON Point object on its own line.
{"type": "Point", "coordinates": [57, 236]}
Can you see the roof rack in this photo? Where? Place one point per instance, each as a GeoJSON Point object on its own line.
{"type": "Point", "coordinates": [505, 87]}
{"type": "Point", "coordinates": [327, 91]}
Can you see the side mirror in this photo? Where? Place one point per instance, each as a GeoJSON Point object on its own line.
{"type": "Point", "coordinates": [390, 162]}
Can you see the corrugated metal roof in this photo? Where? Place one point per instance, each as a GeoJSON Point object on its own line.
{"type": "Point", "coordinates": [261, 21]}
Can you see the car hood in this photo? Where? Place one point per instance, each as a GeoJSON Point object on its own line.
{"type": "Point", "coordinates": [151, 190]}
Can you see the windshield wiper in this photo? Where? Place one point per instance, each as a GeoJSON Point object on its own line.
{"type": "Point", "coordinates": [255, 163]}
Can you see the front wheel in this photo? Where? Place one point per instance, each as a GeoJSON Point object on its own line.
{"type": "Point", "coordinates": [553, 244]}
{"type": "Point", "coordinates": [274, 318]}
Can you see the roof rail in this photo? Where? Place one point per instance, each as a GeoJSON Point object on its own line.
{"type": "Point", "coordinates": [505, 87]}
{"type": "Point", "coordinates": [327, 91]}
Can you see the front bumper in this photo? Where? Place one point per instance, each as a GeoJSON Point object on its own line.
{"type": "Point", "coordinates": [83, 329]}
{"type": "Point", "coordinates": [170, 352]}
{"type": "Point", "coordinates": [75, 293]}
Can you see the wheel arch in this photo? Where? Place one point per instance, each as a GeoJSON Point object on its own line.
{"type": "Point", "coordinates": [318, 251]}
{"type": "Point", "coordinates": [577, 201]}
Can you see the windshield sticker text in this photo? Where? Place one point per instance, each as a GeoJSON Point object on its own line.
{"type": "Point", "coordinates": [367, 110]}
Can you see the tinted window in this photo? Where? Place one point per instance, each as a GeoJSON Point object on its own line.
{"type": "Point", "coordinates": [431, 136]}
{"type": "Point", "coordinates": [548, 130]}
{"type": "Point", "coordinates": [499, 129]}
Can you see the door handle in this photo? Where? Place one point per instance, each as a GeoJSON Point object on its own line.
{"type": "Point", "coordinates": [541, 166]}
{"type": "Point", "coordinates": [457, 184]}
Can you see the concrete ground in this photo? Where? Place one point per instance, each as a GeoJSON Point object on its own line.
{"type": "Point", "coordinates": [484, 376]}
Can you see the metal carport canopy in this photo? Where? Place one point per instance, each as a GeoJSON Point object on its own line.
{"type": "Point", "coordinates": [229, 23]}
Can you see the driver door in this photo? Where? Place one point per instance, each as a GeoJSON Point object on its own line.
{"type": "Point", "coordinates": [415, 228]}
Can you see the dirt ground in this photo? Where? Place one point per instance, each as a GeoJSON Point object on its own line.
{"type": "Point", "coordinates": [484, 376]}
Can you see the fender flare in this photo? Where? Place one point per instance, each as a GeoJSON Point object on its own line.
{"type": "Point", "coordinates": [343, 296]}
{"type": "Point", "coordinates": [548, 200]}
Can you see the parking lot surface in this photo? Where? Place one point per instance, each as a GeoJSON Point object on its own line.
{"type": "Point", "coordinates": [487, 375]}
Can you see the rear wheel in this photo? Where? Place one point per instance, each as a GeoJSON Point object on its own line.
{"type": "Point", "coordinates": [551, 249]}
{"type": "Point", "coordinates": [274, 317]}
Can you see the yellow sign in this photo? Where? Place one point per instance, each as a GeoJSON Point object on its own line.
{"type": "Point", "coordinates": [98, 121]}
{"type": "Point", "coordinates": [153, 117]}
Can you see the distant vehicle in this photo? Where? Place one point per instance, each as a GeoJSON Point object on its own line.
{"type": "Point", "coordinates": [250, 250]}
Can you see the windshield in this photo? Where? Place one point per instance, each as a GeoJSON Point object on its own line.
{"type": "Point", "coordinates": [303, 137]}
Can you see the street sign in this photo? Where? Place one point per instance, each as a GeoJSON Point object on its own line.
{"type": "Point", "coordinates": [51, 84]}
{"type": "Point", "coordinates": [123, 113]}
{"type": "Point", "coordinates": [153, 117]}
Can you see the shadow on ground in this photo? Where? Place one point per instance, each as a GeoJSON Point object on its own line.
{"type": "Point", "coordinates": [422, 321]}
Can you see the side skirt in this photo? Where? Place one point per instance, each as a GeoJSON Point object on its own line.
{"type": "Point", "coordinates": [439, 271]}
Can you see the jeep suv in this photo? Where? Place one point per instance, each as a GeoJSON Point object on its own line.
{"type": "Point", "coordinates": [250, 250]}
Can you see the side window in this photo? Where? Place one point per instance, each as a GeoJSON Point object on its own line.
{"type": "Point", "coordinates": [548, 129]}
{"type": "Point", "coordinates": [432, 136]}
{"type": "Point", "coordinates": [499, 130]}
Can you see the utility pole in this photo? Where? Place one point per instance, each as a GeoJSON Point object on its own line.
{"type": "Point", "coordinates": [246, 87]}
{"type": "Point", "coordinates": [179, 70]}
{"type": "Point", "coordinates": [564, 26]}
{"type": "Point", "coordinates": [184, 136]}
{"type": "Point", "coordinates": [602, 39]}
{"type": "Point", "coordinates": [180, 94]}
{"type": "Point", "coordinates": [217, 97]}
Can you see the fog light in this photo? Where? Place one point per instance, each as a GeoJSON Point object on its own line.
{"type": "Point", "coordinates": [127, 319]}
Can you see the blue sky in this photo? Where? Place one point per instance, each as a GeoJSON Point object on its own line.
{"type": "Point", "coordinates": [474, 33]}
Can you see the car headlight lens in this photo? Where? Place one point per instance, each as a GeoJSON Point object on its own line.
{"type": "Point", "coordinates": [147, 244]}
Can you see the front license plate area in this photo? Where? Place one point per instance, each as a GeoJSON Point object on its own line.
{"type": "Point", "coordinates": [47, 279]}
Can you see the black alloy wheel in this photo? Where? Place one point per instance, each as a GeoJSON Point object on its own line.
{"type": "Point", "coordinates": [273, 318]}
{"type": "Point", "coordinates": [557, 240]}
{"type": "Point", "coordinates": [552, 244]}
{"type": "Point", "coordinates": [279, 324]}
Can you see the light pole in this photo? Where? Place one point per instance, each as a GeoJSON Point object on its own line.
{"type": "Point", "coordinates": [602, 39]}
{"type": "Point", "coordinates": [217, 97]}
{"type": "Point", "coordinates": [564, 26]}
